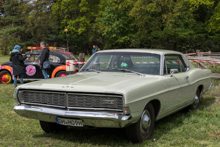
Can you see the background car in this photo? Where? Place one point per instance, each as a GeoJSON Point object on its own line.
{"type": "Point", "coordinates": [57, 60]}
{"type": "Point", "coordinates": [128, 89]}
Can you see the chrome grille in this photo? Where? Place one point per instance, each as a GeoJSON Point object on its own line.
{"type": "Point", "coordinates": [54, 99]}
{"type": "Point", "coordinates": [72, 100]}
{"type": "Point", "coordinates": [95, 101]}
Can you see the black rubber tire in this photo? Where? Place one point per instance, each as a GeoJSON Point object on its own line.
{"type": "Point", "coordinates": [49, 127]}
{"type": "Point", "coordinates": [60, 72]}
{"type": "Point", "coordinates": [134, 131]}
{"type": "Point", "coordinates": [195, 105]}
{"type": "Point", "coordinates": [3, 72]}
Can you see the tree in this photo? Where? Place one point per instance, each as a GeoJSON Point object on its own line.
{"type": "Point", "coordinates": [213, 23]}
{"type": "Point", "coordinates": [78, 17]}
{"type": "Point", "coordinates": [13, 29]}
{"type": "Point", "coordinates": [169, 23]}
{"type": "Point", "coordinates": [118, 28]}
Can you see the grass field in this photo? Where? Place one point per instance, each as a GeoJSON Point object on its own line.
{"type": "Point", "coordinates": [191, 129]}
{"type": "Point", "coordinates": [4, 58]}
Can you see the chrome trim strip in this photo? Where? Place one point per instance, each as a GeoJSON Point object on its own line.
{"type": "Point", "coordinates": [210, 86]}
{"type": "Point", "coordinates": [94, 94]}
{"type": "Point", "coordinates": [162, 65]}
{"type": "Point", "coordinates": [98, 109]}
{"type": "Point", "coordinates": [37, 104]}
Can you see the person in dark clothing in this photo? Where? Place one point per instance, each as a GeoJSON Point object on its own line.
{"type": "Point", "coordinates": [44, 57]}
{"type": "Point", "coordinates": [94, 49]}
{"type": "Point", "coordinates": [18, 64]}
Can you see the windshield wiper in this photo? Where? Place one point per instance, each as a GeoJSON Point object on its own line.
{"type": "Point", "coordinates": [89, 69]}
{"type": "Point", "coordinates": [122, 69]}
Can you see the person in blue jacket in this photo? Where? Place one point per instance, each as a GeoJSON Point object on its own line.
{"type": "Point", "coordinates": [94, 49]}
{"type": "Point", "coordinates": [18, 64]}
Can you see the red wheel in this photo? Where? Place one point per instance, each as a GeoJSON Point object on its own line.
{"type": "Point", "coordinates": [61, 74]}
{"type": "Point", "coordinates": [5, 77]}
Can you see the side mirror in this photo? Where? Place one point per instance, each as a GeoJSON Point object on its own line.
{"type": "Point", "coordinates": [172, 71]}
{"type": "Point", "coordinates": [187, 67]}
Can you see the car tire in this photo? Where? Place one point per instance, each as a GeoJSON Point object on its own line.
{"type": "Point", "coordinates": [49, 127]}
{"type": "Point", "coordinates": [61, 74]}
{"type": "Point", "coordinates": [143, 129]}
{"type": "Point", "coordinates": [196, 101]}
{"type": "Point", "coordinates": [5, 77]}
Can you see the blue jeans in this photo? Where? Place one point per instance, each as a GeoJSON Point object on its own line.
{"type": "Point", "coordinates": [20, 77]}
{"type": "Point", "coordinates": [44, 71]}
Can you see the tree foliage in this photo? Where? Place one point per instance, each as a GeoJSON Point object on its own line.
{"type": "Point", "coordinates": [182, 25]}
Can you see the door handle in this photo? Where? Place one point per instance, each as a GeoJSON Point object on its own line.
{"type": "Point", "coordinates": [186, 77]}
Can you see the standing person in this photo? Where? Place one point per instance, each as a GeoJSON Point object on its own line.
{"type": "Point", "coordinates": [98, 48]}
{"type": "Point", "coordinates": [18, 64]}
{"type": "Point", "coordinates": [94, 49]}
{"type": "Point", "coordinates": [44, 57]}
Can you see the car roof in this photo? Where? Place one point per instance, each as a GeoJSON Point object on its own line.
{"type": "Point", "coordinates": [155, 51]}
{"type": "Point", "coordinates": [39, 51]}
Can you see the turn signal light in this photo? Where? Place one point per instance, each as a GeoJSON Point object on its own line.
{"type": "Point", "coordinates": [127, 110]}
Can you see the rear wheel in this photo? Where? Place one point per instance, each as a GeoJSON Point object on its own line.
{"type": "Point", "coordinates": [5, 77]}
{"type": "Point", "coordinates": [49, 127]}
{"type": "Point", "coordinates": [143, 129]}
{"type": "Point", "coordinates": [195, 104]}
{"type": "Point", "coordinates": [61, 74]}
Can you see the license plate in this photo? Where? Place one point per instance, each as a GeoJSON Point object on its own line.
{"type": "Point", "coordinates": [70, 122]}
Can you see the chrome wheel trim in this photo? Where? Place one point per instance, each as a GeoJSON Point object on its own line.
{"type": "Point", "coordinates": [196, 100]}
{"type": "Point", "coordinates": [145, 122]}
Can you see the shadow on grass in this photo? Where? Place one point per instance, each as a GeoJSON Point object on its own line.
{"type": "Point", "coordinates": [92, 136]}
{"type": "Point", "coordinates": [206, 102]}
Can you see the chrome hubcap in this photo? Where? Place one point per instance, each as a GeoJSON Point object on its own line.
{"type": "Point", "coordinates": [196, 100]}
{"type": "Point", "coordinates": [145, 122]}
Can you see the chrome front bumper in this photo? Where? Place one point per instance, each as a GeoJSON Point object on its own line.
{"type": "Point", "coordinates": [94, 119]}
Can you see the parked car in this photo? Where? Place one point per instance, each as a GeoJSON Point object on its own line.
{"type": "Point", "coordinates": [116, 89]}
{"type": "Point", "coordinates": [32, 65]}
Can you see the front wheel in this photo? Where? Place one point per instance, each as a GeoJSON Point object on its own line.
{"type": "Point", "coordinates": [5, 77]}
{"type": "Point", "coordinates": [143, 129]}
{"type": "Point", "coordinates": [49, 127]}
{"type": "Point", "coordinates": [61, 74]}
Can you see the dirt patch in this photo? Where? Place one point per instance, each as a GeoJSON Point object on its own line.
{"type": "Point", "coordinates": [215, 134]}
{"type": "Point", "coordinates": [217, 100]}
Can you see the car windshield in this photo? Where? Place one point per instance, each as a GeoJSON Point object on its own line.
{"type": "Point", "coordinates": [129, 62]}
{"type": "Point", "coordinates": [67, 54]}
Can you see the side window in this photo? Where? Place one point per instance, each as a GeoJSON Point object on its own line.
{"type": "Point", "coordinates": [33, 58]}
{"type": "Point", "coordinates": [174, 62]}
{"type": "Point", "coordinates": [101, 62]}
{"type": "Point", "coordinates": [147, 64]}
{"type": "Point", "coordinates": [54, 59]}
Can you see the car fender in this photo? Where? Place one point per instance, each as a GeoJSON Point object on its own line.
{"type": "Point", "coordinates": [6, 67]}
{"type": "Point", "coordinates": [57, 69]}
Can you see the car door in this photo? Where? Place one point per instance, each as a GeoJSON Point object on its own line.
{"type": "Point", "coordinates": [178, 83]}
{"type": "Point", "coordinates": [32, 67]}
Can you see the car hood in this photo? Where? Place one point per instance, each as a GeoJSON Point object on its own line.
{"type": "Point", "coordinates": [6, 63]}
{"type": "Point", "coordinates": [93, 82]}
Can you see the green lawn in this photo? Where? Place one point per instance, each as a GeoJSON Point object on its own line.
{"type": "Point", "coordinates": [4, 59]}
{"type": "Point", "coordinates": [191, 129]}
